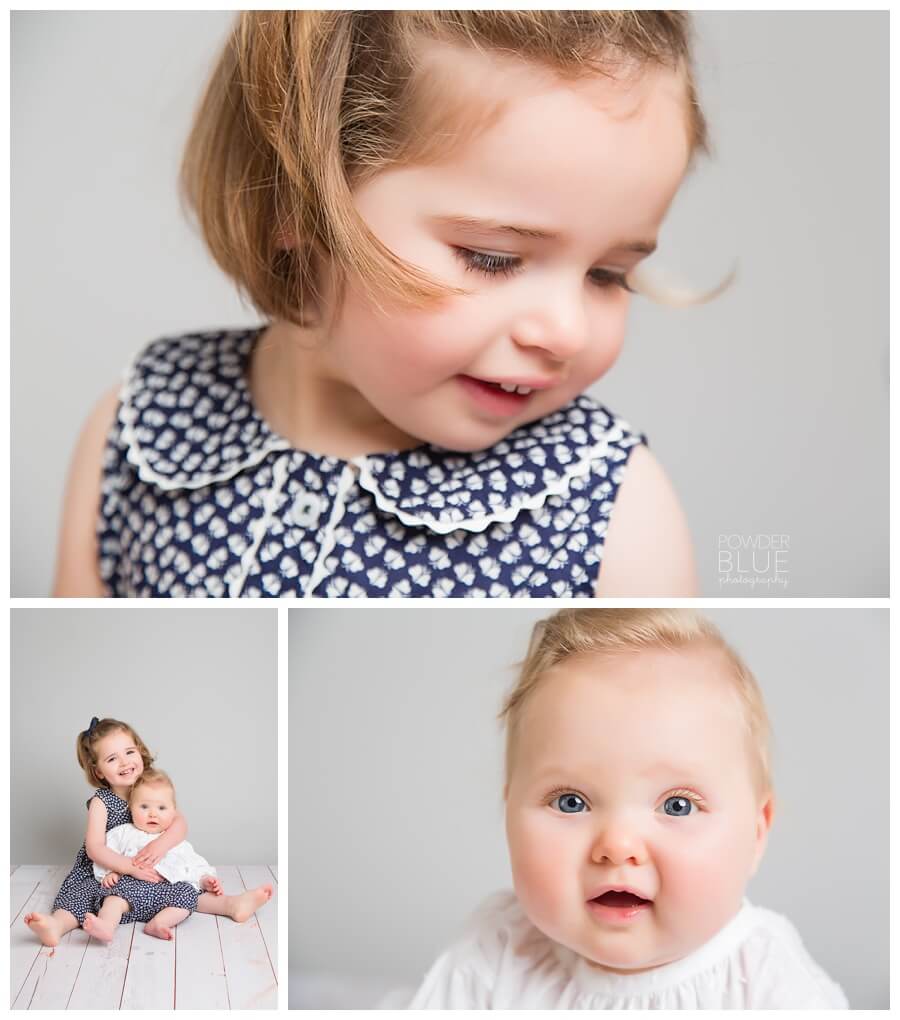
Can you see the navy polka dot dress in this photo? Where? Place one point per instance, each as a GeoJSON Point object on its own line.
{"type": "Point", "coordinates": [201, 498]}
{"type": "Point", "coordinates": [80, 893]}
{"type": "Point", "coordinates": [146, 899]}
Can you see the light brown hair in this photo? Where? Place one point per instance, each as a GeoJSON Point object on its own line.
{"type": "Point", "coordinates": [152, 777]}
{"type": "Point", "coordinates": [86, 747]}
{"type": "Point", "coordinates": [302, 106]}
{"type": "Point", "coordinates": [572, 632]}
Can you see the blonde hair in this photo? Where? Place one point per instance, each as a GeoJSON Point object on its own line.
{"type": "Point", "coordinates": [152, 777]}
{"type": "Point", "coordinates": [304, 105]}
{"type": "Point", "coordinates": [86, 747]}
{"type": "Point", "coordinates": [572, 632]}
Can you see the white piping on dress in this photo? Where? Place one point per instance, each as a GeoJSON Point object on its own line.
{"type": "Point", "coordinates": [135, 456]}
{"type": "Point", "coordinates": [319, 570]}
{"type": "Point", "coordinates": [557, 487]}
{"type": "Point", "coordinates": [279, 477]}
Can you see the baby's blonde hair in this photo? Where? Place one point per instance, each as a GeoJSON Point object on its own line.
{"type": "Point", "coordinates": [152, 777]}
{"type": "Point", "coordinates": [303, 106]}
{"type": "Point", "coordinates": [572, 632]}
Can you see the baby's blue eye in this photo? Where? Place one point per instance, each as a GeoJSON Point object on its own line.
{"type": "Point", "coordinates": [569, 803]}
{"type": "Point", "coordinates": [677, 806]}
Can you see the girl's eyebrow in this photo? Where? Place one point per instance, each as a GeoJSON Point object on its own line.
{"type": "Point", "coordinates": [474, 225]}
{"type": "Point", "coordinates": [112, 754]}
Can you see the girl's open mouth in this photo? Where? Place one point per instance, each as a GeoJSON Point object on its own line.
{"type": "Point", "coordinates": [497, 398]}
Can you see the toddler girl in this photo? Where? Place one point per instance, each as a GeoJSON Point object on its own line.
{"type": "Point", "coordinates": [113, 757]}
{"type": "Point", "coordinates": [153, 810]}
{"type": "Point", "coordinates": [638, 803]}
{"type": "Point", "coordinates": [441, 216]}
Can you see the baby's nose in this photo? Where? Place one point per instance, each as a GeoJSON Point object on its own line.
{"type": "Point", "coordinates": [618, 843]}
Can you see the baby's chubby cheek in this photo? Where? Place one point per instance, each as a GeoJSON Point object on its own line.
{"type": "Point", "coordinates": [546, 873]}
{"type": "Point", "coordinates": [700, 892]}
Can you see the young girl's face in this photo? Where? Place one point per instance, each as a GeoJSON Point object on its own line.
{"type": "Point", "coordinates": [119, 760]}
{"type": "Point", "coordinates": [540, 216]}
{"type": "Point", "coordinates": [633, 819]}
{"type": "Point", "coordinates": [153, 807]}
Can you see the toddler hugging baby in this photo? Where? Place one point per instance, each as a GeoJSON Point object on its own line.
{"type": "Point", "coordinates": [134, 841]}
{"type": "Point", "coordinates": [152, 805]}
{"type": "Point", "coordinates": [638, 803]}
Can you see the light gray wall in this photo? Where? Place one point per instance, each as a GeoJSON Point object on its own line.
{"type": "Point", "coordinates": [768, 407]}
{"type": "Point", "coordinates": [396, 823]}
{"type": "Point", "coordinates": [199, 686]}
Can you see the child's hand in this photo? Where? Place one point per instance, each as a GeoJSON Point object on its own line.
{"type": "Point", "coordinates": [110, 879]}
{"type": "Point", "coordinates": [148, 857]}
{"type": "Point", "coordinates": [146, 874]}
{"type": "Point", "coordinates": [211, 885]}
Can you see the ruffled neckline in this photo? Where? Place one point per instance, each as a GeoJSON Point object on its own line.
{"type": "Point", "coordinates": [187, 421]}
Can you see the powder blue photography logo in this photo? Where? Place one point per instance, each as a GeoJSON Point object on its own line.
{"type": "Point", "coordinates": [753, 561]}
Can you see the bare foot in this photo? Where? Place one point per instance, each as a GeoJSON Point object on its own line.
{"type": "Point", "coordinates": [45, 927]}
{"type": "Point", "coordinates": [158, 931]}
{"type": "Point", "coordinates": [102, 931]}
{"type": "Point", "coordinates": [244, 905]}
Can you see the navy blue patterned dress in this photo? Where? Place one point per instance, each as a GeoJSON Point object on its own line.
{"type": "Point", "coordinates": [80, 892]}
{"type": "Point", "coordinates": [201, 498]}
{"type": "Point", "coordinates": [146, 899]}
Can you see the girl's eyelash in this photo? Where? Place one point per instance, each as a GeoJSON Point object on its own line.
{"type": "Point", "coordinates": [509, 265]}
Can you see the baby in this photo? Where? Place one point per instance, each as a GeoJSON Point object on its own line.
{"type": "Point", "coordinates": [152, 805]}
{"type": "Point", "coordinates": [638, 803]}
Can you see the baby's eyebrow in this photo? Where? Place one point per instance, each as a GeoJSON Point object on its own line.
{"type": "Point", "coordinates": [473, 224]}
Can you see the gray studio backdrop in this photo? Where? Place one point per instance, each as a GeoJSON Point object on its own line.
{"type": "Point", "coordinates": [199, 686]}
{"type": "Point", "coordinates": [768, 407]}
{"type": "Point", "coordinates": [396, 818]}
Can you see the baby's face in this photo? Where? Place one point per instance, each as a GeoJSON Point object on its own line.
{"type": "Point", "coordinates": [632, 816]}
{"type": "Point", "coordinates": [153, 807]}
{"type": "Point", "coordinates": [592, 164]}
{"type": "Point", "coordinates": [119, 760]}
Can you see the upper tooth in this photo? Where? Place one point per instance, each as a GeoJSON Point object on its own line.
{"type": "Point", "coordinates": [508, 387]}
{"type": "Point", "coordinates": [523, 389]}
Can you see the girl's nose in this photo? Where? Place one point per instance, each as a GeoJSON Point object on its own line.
{"type": "Point", "coordinates": [557, 324]}
{"type": "Point", "coordinates": [618, 843]}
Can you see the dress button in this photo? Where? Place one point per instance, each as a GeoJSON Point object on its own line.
{"type": "Point", "coordinates": [306, 510]}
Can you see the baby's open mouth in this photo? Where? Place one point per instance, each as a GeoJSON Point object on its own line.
{"type": "Point", "coordinates": [614, 898]}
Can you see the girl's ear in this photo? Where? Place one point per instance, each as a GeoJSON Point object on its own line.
{"type": "Point", "coordinates": [764, 818]}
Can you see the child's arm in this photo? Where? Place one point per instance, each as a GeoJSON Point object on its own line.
{"type": "Point", "coordinates": [99, 852]}
{"type": "Point", "coordinates": [77, 560]}
{"type": "Point", "coordinates": [157, 848]}
{"type": "Point", "coordinates": [648, 546]}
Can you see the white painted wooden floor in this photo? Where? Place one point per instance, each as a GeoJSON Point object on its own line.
{"type": "Point", "coordinates": [212, 963]}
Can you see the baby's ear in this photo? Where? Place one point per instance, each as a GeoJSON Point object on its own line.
{"type": "Point", "coordinates": [764, 817]}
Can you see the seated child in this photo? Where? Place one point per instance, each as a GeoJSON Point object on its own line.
{"type": "Point", "coordinates": [638, 802]}
{"type": "Point", "coordinates": [152, 806]}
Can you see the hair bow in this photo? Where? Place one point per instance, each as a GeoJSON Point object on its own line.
{"type": "Point", "coordinates": [93, 726]}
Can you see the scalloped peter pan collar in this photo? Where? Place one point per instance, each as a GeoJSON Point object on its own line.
{"type": "Point", "coordinates": [188, 421]}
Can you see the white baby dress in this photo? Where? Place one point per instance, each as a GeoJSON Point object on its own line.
{"type": "Point", "coordinates": [181, 864]}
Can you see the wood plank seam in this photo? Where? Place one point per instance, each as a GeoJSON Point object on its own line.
{"type": "Point", "coordinates": [127, 962]}
{"type": "Point", "coordinates": [222, 951]}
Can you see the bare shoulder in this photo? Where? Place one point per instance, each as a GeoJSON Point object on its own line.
{"type": "Point", "coordinates": [648, 549]}
{"type": "Point", "coordinates": [77, 561]}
